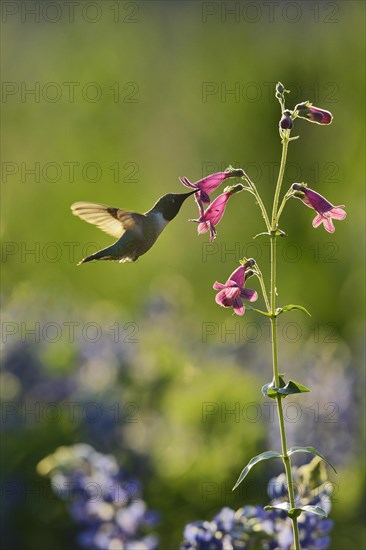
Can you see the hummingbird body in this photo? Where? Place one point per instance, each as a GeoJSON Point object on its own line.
{"type": "Point", "coordinates": [136, 233]}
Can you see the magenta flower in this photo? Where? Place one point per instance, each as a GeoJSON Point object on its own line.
{"type": "Point", "coordinates": [208, 184]}
{"type": "Point", "coordinates": [326, 210]}
{"type": "Point", "coordinates": [232, 293]}
{"type": "Point", "coordinates": [212, 215]}
{"type": "Point", "coordinates": [313, 114]}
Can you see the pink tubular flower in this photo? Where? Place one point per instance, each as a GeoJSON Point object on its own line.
{"type": "Point", "coordinates": [212, 215]}
{"type": "Point", "coordinates": [313, 114]}
{"type": "Point", "coordinates": [326, 210]}
{"type": "Point", "coordinates": [232, 293]}
{"type": "Point", "coordinates": [208, 184]}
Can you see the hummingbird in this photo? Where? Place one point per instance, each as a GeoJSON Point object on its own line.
{"type": "Point", "coordinates": [136, 233]}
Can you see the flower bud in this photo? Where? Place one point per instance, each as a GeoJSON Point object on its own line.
{"type": "Point", "coordinates": [298, 186]}
{"type": "Point", "coordinates": [313, 114]}
{"type": "Point", "coordinates": [280, 88]}
{"type": "Point", "coordinates": [286, 122]}
{"type": "Point", "coordinates": [234, 188]}
{"type": "Point", "coordinates": [235, 172]}
{"type": "Point", "coordinates": [247, 262]}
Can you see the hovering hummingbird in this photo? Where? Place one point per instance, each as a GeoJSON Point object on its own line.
{"type": "Point", "coordinates": [136, 233]}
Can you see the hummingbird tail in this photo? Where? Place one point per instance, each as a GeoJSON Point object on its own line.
{"type": "Point", "coordinates": [100, 255]}
{"type": "Point", "coordinates": [84, 260]}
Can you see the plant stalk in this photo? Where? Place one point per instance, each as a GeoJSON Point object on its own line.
{"type": "Point", "coordinates": [274, 225]}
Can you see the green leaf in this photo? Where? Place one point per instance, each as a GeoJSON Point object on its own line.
{"type": "Point", "coordinates": [269, 391]}
{"type": "Point", "coordinates": [310, 450]}
{"type": "Point", "coordinates": [295, 512]}
{"type": "Point", "coordinates": [279, 233]}
{"type": "Point", "coordinates": [259, 311]}
{"type": "Point", "coordinates": [263, 456]}
{"type": "Point", "coordinates": [260, 234]}
{"type": "Point", "coordinates": [290, 307]}
{"type": "Point", "coordinates": [292, 387]}
{"type": "Point", "coordinates": [284, 506]}
{"type": "Point", "coordinates": [315, 510]}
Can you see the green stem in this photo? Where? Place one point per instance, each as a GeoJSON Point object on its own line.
{"type": "Point", "coordinates": [263, 287]}
{"type": "Point", "coordinates": [284, 200]}
{"type": "Point", "coordinates": [274, 223]}
{"type": "Point", "coordinates": [254, 192]}
{"type": "Point", "coordinates": [285, 142]}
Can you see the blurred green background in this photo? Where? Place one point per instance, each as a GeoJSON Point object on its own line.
{"type": "Point", "coordinates": [128, 96]}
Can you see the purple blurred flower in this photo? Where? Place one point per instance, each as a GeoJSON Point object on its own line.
{"type": "Point", "coordinates": [232, 293]}
{"type": "Point", "coordinates": [313, 114]}
{"type": "Point", "coordinates": [213, 214]}
{"type": "Point", "coordinates": [101, 498]}
{"type": "Point", "coordinates": [326, 210]}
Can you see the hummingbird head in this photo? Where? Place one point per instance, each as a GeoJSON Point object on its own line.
{"type": "Point", "coordinates": [169, 205]}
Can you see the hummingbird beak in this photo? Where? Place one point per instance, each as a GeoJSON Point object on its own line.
{"type": "Point", "coordinates": [184, 196]}
{"type": "Point", "coordinates": [181, 197]}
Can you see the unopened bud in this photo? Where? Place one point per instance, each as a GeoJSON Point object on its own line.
{"type": "Point", "coordinates": [286, 122]}
{"type": "Point", "coordinates": [235, 172]}
{"type": "Point", "coordinates": [234, 188]}
{"type": "Point", "coordinates": [313, 114]}
{"type": "Point", "coordinates": [280, 88]}
{"type": "Point", "coordinates": [248, 274]}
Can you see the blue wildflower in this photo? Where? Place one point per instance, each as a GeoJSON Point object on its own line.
{"type": "Point", "coordinates": [252, 527]}
{"type": "Point", "coordinates": [101, 498]}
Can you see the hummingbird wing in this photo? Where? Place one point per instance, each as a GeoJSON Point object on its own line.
{"type": "Point", "coordinates": [113, 221]}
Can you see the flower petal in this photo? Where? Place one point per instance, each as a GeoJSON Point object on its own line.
{"type": "Point", "coordinates": [338, 213]}
{"type": "Point", "coordinates": [218, 286]}
{"type": "Point", "coordinates": [216, 209]}
{"type": "Point", "coordinates": [212, 232]}
{"type": "Point", "coordinates": [316, 201]}
{"type": "Point", "coordinates": [318, 220]}
{"type": "Point", "coordinates": [187, 183]}
{"type": "Point", "coordinates": [203, 197]}
{"type": "Point", "coordinates": [232, 292]}
{"type": "Point", "coordinates": [203, 227]}
{"type": "Point", "coordinates": [328, 224]}
{"type": "Point", "coordinates": [198, 199]}
{"type": "Point", "coordinates": [238, 306]}
{"type": "Point", "coordinates": [320, 116]}
{"type": "Point", "coordinates": [238, 276]}
{"type": "Point", "coordinates": [210, 183]}
{"type": "Point", "coordinates": [248, 294]}
{"type": "Point", "coordinates": [222, 299]}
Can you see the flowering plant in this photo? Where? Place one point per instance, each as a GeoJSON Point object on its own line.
{"type": "Point", "coordinates": [101, 498]}
{"type": "Point", "coordinates": [232, 294]}
{"type": "Point", "coordinates": [253, 527]}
